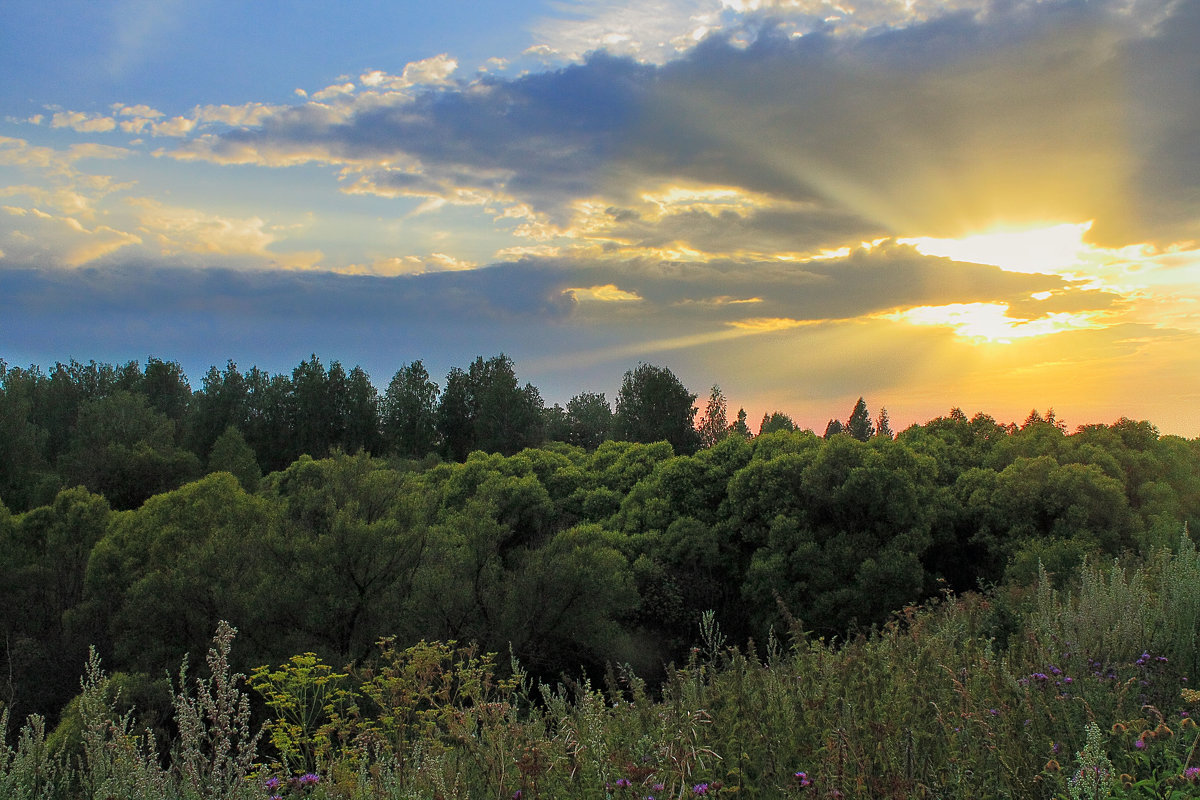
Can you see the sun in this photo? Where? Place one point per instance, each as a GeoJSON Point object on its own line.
{"type": "Point", "coordinates": [991, 322]}
{"type": "Point", "coordinates": [1054, 249]}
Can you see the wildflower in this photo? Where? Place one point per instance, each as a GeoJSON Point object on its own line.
{"type": "Point", "coordinates": [271, 784]}
{"type": "Point", "coordinates": [802, 779]}
{"type": "Point", "coordinates": [1192, 774]}
{"type": "Point", "coordinates": [700, 789]}
{"type": "Point", "coordinates": [995, 712]}
{"type": "Point", "coordinates": [1187, 722]}
{"type": "Point", "coordinates": [658, 787]}
{"type": "Point", "coordinates": [309, 779]}
{"type": "Point", "coordinates": [275, 797]}
{"type": "Point", "coordinates": [518, 794]}
{"type": "Point", "coordinates": [623, 783]}
{"type": "Point", "coordinates": [1140, 744]}
{"type": "Point", "coordinates": [1055, 671]}
{"type": "Point", "coordinates": [1052, 766]}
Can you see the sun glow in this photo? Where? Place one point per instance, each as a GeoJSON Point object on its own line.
{"type": "Point", "coordinates": [1048, 249]}
{"type": "Point", "coordinates": [990, 322]}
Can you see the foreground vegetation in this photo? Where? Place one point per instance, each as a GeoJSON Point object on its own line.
{"type": "Point", "coordinates": [1087, 698]}
{"type": "Point", "coordinates": [1048, 623]}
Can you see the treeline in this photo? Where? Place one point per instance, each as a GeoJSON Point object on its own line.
{"type": "Point", "coordinates": [129, 432]}
{"type": "Point", "coordinates": [571, 557]}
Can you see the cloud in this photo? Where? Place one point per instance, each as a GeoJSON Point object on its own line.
{"type": "Point", "coordinates": [608, 293]}
{"type": "Point", "coordinates": [434, 71]}
{"type": "Point", "coordinates": [395, 266]}
{"type": "Point", "coordinates": [30, 235]}
{"type": "Point", "coordinates": [83, 123]}
{"type": "Point", "coordinates": [938, 128]}
{"type": "Point", "coordinates": [176, 229]}
{"type": "Point", "coordinates": [333, 90]}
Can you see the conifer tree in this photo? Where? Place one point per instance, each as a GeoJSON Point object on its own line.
{"type": "Point", "coordinates": [859, 425]}
{"type": "Point", "coordinates": [714, 425]}
{"type": "Point", "coordinates": [882, 426]}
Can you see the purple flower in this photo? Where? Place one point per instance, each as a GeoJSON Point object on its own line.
{"type": "Point", "coordinates": [700, 788]}
{"type": "Point", "coordinates": [517, 795]}
{"type": "Point", "coordinates": [623, 783]}
{"type": "Point", "coordinates": [271, 784]}
{"type": "Point", "coordinates": [275, 797]}
{"type": "Point", "coordinates": [658, 787]}
{"type": "Point", "coordinates": [802, 779]}
{"type": "Point", "coordinates": [310, 779]}
{"type": "Point", "coordinates": [1140, 744]}
{"type": "Point", "coordinates": [1192, 774]}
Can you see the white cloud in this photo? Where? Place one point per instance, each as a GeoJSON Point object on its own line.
{"type": "Point", "coordinates": [394, 266]}
{"type": "Point", "coordinates": [140, 110]}
{"type": "Point", "coordinates": [175, 126]}
{"type": "Point", "coordinates": [433, 71]}
{"type": "Point", "coordinates": [336, 90]}
{"type": "Point", "coordinates": [176, 230]}
{"type": "Point", "coordinates": [83, 123]}
{"type": "Point", "coordinates": [244, 115]}
{"type": "Point", "coordinates": [33, 236]}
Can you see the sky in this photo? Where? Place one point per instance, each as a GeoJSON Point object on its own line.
{"type": "Point", "coordinates": [992, 205]}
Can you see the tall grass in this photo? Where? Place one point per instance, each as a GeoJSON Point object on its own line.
{"type": "Point", "coordinates": [1088, 697]}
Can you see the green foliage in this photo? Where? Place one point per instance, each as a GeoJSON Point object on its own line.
{"type": "Point", "coordinates": [777, 421]}
{"type": "Point", "coordinates": [410, 412]}
{"type": "Point", "coordinates": [125, 450]}
{"type": "Point", "coordinates": [859, 424]}
{"type": "Point", "coordinates": [230, 453]}
{"type": "Point", "coordinates": [589, 420]}
{"type": "Point", "coordinates": [308, 699]}
{"type": "Point", "coordinates": [116, 761]}
{"type": "Point", "coordinates": [713, 425]}
{"type": "Point", "coordinates": [652, 406]}
{"type": "Point", "coordinates": [926, 705]}
{"type": "Point", "coordinates": [163, 576]}
{"type": "Point", "coordinates": [216, 752]}
{"type": "Point", "coordinates": [28, 771]}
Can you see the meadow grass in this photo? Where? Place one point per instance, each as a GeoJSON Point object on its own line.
{"type": "Point", "coordinates": [1084, 696]}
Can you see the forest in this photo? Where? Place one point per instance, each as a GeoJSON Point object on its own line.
{"type": "Point", "coordinates": [389, 567]}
